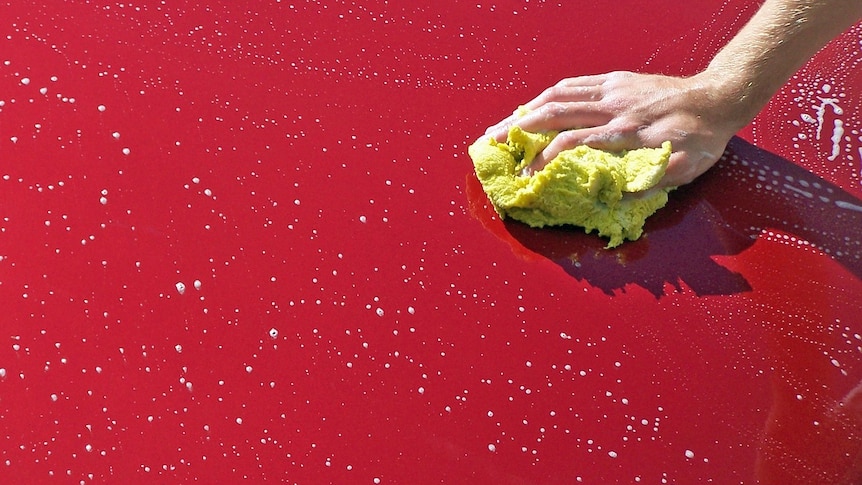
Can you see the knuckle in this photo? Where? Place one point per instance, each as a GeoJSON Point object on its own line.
{"type": "Point", "coordinates": [630, 129]}
{"type": "Point", "coordinates": [554, 92]}
{"type": "Point", "coordinates": [617, 76]}
{"type": "Point", "coordinates": [554, 109]}
{"type": "Point", "coordinates": [586, 92]}
{"type": "Point", "coordinates": [566, 139]}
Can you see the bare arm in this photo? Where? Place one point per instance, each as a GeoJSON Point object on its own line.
{"type": "Point", "coordinates": [698, 114]}
{"type": "Point", "coordinates": [775, 43]}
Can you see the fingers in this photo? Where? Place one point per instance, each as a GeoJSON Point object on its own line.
{"type": "Point", "coordinates": [583, 88]}
{"type": "Point", "coordinates": [603, 137]}
{"type": "Point", "coordinates": [642, 194]}
{"type": "Point", "coordinates": [566, 93]}
{"type": "Point", "coordinates": [554, 116]}
{"type": "Point", "coordinates": [560, 116]}
{"type": "Point", "coordinates": [577, 89]}
{"type": "Point", "coordinates": [501, 129]}
{"type": "Point", "coordinates": [571, 102]}
{"type": "Point", "coordinates": [588, 80]}
{"type": "Point", "coordinates": [685, 166]}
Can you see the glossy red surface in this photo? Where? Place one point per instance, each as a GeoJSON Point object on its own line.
{"type": "Point", "coordinates": [245, 241]}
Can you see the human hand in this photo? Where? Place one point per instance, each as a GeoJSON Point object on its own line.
{"type": "Point", "coordinates": [623, 111]}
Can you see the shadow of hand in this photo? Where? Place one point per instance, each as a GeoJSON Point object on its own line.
{"type": "Point", "coordinates": [748, 193]}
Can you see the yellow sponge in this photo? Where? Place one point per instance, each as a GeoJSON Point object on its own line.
{"type": "Point", "coordinates": [582, 186]}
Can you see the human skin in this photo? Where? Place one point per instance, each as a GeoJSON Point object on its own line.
{"type": "Point", "coordinates": [697, 114]}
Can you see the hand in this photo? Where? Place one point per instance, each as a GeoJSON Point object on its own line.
{"type": "Point", "coordinates": [623, 111]}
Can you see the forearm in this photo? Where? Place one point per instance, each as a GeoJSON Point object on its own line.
{"type": "Point", "coordinates": [697, 114]}
{"type": "Point", "coordinates": [775, 43]}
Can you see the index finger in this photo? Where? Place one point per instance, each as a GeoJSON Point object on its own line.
{"type": "Point", "coordinates": [555, 116]}
{"type": "Point", "coordinates": [582, 88]}
{"type": "Point", "coordinates": [573, 89]}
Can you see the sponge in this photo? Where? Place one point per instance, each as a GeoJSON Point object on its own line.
{"type": "Point", "coordinates": [582, 186]}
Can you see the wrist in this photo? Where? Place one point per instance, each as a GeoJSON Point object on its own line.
{"type": "Point", "coordinates": [732, 100]}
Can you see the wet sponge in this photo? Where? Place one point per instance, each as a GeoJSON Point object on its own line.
{"type": "Point", "coordinates": [582, 186]}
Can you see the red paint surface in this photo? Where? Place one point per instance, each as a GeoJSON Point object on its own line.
{"type": "Point", "coordinates": [362, 315]}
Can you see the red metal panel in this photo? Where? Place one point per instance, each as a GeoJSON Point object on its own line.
{"type": "Point", "coordinates": [241, 240]}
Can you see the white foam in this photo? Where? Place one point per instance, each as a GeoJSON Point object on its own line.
{"type": "Point", "coordinates": [799, 191]}
{"type": "Point", "coordinates": [837, 135]}
{"type": "Point", "coordinates": [848, 205]}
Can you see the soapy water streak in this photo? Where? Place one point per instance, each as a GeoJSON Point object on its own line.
{"type": "Point", "coordinates": [841, 204]}
{"type": "Point", "coordinates": [838, 125]}
{"type": "Point", "coordinates": [830, 82]}
{"type": "Point", "coordinates": [822, 216]}
{"type": "Point", "coordinates": [848, 205]}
